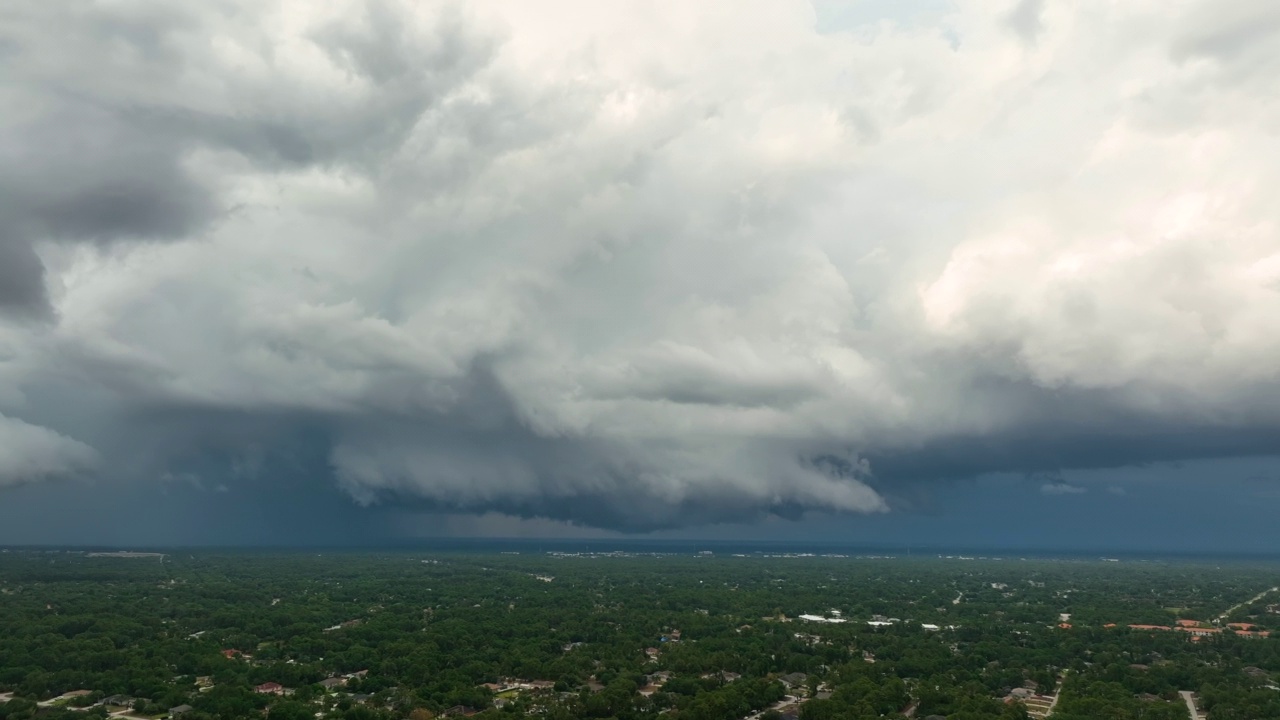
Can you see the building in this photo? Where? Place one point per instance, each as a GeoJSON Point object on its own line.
{"type": "Point", "coordinates": [1200, 631]}
{"type": "Point", "coordinates": [269, 688]}
{"type": "Point", "coordinates": [333, 683]}
{"type": "Point", "coordinates": [180, 711]}
{"type": "Point", "coordinates": [794, 680]}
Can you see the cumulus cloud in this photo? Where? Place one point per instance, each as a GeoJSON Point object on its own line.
{"type": "Point", "coordinates": [639, 266]}
{"type": "Point", "coordinates": [29, 453]}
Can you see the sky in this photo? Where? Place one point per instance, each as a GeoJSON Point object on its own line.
{"type": "Point", "coordinates": [998, 274]}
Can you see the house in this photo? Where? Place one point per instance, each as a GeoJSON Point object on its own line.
{"type": "Point", "coordinates": [1150, 627]}
{"type": "Point", "coordinates": [1188, 623]}
{"type": "Point", "coordinates": [231, 654]}
{"type": "Point", "coordinates": [1241, 626]}
{"type": "Point", "coordinates": [180, 711]}
{"type": "Point", "coordinates": [204, 682]}
{"type": "Point", "coordinates": [333, 683]}
{"type": "Point", "coordinates": [649, 689]}
{"type": "Point", "coordinates": [118, 701]}
{"type": "Point", "coordinates": [1253, 634]}
{"type": "Point", "coordinates": [269, 688]}
{"type": "Point", "coordinates": [794, 680]}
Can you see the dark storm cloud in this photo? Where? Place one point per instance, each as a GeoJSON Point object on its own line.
{"type": "Point", "coordinates": [21, 279]}
{"type": "Point", "coordinates": [107, 117]}
{"type": "Point", "coordinates": [525, 260]}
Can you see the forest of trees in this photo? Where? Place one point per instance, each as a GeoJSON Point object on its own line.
{"type": "Point", "coordinates": [402, 635]}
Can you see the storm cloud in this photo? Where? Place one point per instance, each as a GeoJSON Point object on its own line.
{"type": "Point", "coordinates": [633, 266]}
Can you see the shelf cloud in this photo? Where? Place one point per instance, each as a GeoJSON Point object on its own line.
{"type": "Point", "coordinates": [634, 266]}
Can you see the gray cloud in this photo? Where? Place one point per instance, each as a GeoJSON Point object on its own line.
{"type": "Point", "coordinates": [1025, 19]}
{"type": "Point", "coordinates": [31, 453]}
{"type": "Point", "coordinates": [481, 259]}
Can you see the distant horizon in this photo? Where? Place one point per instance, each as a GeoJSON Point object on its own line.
{"type": "Point", "coordinates": [691, 546]}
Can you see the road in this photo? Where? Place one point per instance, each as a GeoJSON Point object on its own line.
{"type": "Point", "coordinates": [122, 714]}
{"type": "Point", "coordinates": [1191, 704]}
{"type": "Point", "coordinates": [788, 700]}
{"type": "Point", "coordinates": [1057, 693]}
{"type": "Point", "coordinates": [1251, 600]}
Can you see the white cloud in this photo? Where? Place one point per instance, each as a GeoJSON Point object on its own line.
{"type": "Point", "coordinates": [30, 453]}
{"type": "Point", "coordinates": [517, 255]}
{"type": "Point", "coordinates": [1062, 488]}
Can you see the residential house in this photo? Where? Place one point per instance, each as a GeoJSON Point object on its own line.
{"type": "Point", "coordinates": [180, 711]}
{"type": "Point", "coordinates": [794, 680]}
{"type": "Point", "coordinates": [269, 688]}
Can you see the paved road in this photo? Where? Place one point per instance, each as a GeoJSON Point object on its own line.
{"type": "Point", "coordinates": [1191, 704]}
{"type": "Point", "coordinates": [1250, 601]}
{"type": "Point", "coordinates": [785, 701]}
